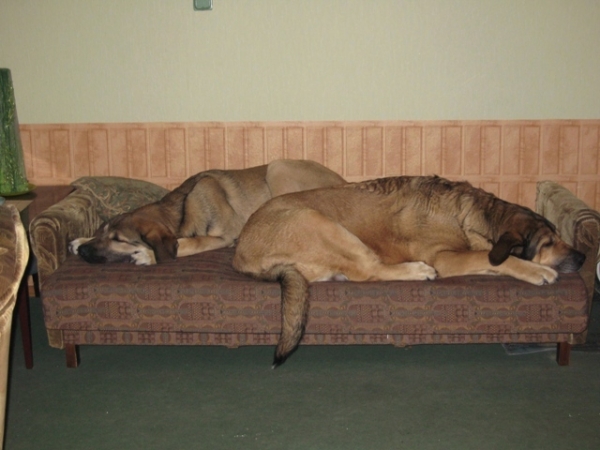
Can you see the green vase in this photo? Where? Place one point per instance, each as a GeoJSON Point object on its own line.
{"type": "Point", "coordinates": [13, 179]}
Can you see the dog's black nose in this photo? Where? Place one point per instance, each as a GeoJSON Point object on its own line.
{"type": "Point", "coordinates": [579, 260]}
{"type": "Point", "coordinates": [89, 254]}
{"type": "Point", "coordinates": [572, 263]}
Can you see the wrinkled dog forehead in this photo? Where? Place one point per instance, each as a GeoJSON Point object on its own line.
{"type": "Point", "coordinates": [544, 233]}
{"type": "Point", "coordinates": [103, 230]}
{"type": "Point", "coordinates": [116, 224]}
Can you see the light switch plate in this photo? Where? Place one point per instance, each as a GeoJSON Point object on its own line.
{"type": "Point", "coordinates": [202, 5]}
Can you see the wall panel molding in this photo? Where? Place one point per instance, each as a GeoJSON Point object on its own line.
{"type": "Point", "coordinates": [504, 157]}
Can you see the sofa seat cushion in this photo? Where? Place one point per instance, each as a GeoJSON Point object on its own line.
{"type": "Point", "coordinates": [202, 294]}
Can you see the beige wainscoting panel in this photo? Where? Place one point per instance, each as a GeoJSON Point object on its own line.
{"type": "Point", "coordinates": [504, 157]}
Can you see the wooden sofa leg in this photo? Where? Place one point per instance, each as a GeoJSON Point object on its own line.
{"type": "Point", "coordinates": [563, 353]}
{"type": "Point", "coordinates": [72, 359]}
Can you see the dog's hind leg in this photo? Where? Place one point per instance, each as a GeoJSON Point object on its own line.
{"type": "Point", "coordinates": [285, 176]}
{"type": "Point", "coordinates": [320, 249]}
{"type": "Point", "coordinates": [334, 251]}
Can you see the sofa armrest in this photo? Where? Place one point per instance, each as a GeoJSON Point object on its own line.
{"type": "Point", "coordinates": [577, 223]}
{"type": "Point", "coordinates": [94, 201]}
{"type": "Point", "coordinates": [52, 230]}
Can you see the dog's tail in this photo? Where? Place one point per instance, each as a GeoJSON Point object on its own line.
{"type": "Point", "coordinates": [294, 309]}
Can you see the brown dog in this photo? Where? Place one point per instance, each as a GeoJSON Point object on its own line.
{"type": "Point", "coordinates": [206, 212]}
{"type": "Point", "coordinates": [404, 228]}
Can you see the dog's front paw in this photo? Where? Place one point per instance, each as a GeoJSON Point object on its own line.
{"type": "Point", "coordinates": [76, 243]}
{"type": "Point", "coordinates": [143, 257]}
{"type": "Point", "coordinates": [424, 271]}
{"type": "Point", "coordinates": [544, 275]}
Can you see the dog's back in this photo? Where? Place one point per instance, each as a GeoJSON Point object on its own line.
{"type": "Point", "coordinates": [425, 215]}
{"type": "Point", "coordinates": [418, 212]}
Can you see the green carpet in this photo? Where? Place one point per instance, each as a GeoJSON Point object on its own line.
{"type": "Point", "coordinates": [356, 397]}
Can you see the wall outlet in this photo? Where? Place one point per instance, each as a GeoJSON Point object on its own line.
{"type": "Point", "coordinates": [202, 5]}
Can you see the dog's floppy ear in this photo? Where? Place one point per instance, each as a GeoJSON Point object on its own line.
{"type": "Point", "coordinates": [505, 246]}
{"type": "Point", "coordinates": [161, 240]}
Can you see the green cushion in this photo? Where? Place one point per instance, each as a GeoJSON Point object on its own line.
{"type": "Point", "coordinates": [117, 195]}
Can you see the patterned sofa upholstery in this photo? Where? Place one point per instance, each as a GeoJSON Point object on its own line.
{"type": "Point", "coordinates": [201, 300]}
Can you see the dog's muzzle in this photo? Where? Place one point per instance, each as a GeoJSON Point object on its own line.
{"type": "Point", "coordinates": [89, 254]}
{"type": "Point", "coordinates": [571, 263]}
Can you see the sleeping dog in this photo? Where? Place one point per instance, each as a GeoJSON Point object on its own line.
{"type": "Point", "coordinates": [401, 228]}
{"type": "Point", "coordinates": [206, 212]}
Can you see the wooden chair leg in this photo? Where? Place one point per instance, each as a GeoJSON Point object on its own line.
{"type": "Point", "coordinates": [36, 284]}
{"type": "Point", "coordinates": [25, 321]}
{"type": "Point", "coordinates": [72, 358]}
{"type": "Point", "coordinates": [563, 353]}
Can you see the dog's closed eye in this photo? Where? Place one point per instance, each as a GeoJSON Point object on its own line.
{"type": "Point", "coordinates": [118, 238]}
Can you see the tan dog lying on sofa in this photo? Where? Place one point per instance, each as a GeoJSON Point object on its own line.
{"type": "Point", "coordinates": [206, 212]}
{"type": "Point", "coordinates": [403, 228]}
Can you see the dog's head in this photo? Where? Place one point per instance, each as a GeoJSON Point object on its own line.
{"type": "Point", "coordinates": [531, 237]}
{"type": "Point", "coordinates": [119, 238]}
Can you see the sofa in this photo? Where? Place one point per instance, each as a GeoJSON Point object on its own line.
{"type": "Point", "coordinates": [14, 255]}
{"type": "Point", "coordinates": [201, 300]}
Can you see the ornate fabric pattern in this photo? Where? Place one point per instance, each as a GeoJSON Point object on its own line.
{"type": "Point", "coordinates": [202, 296]}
